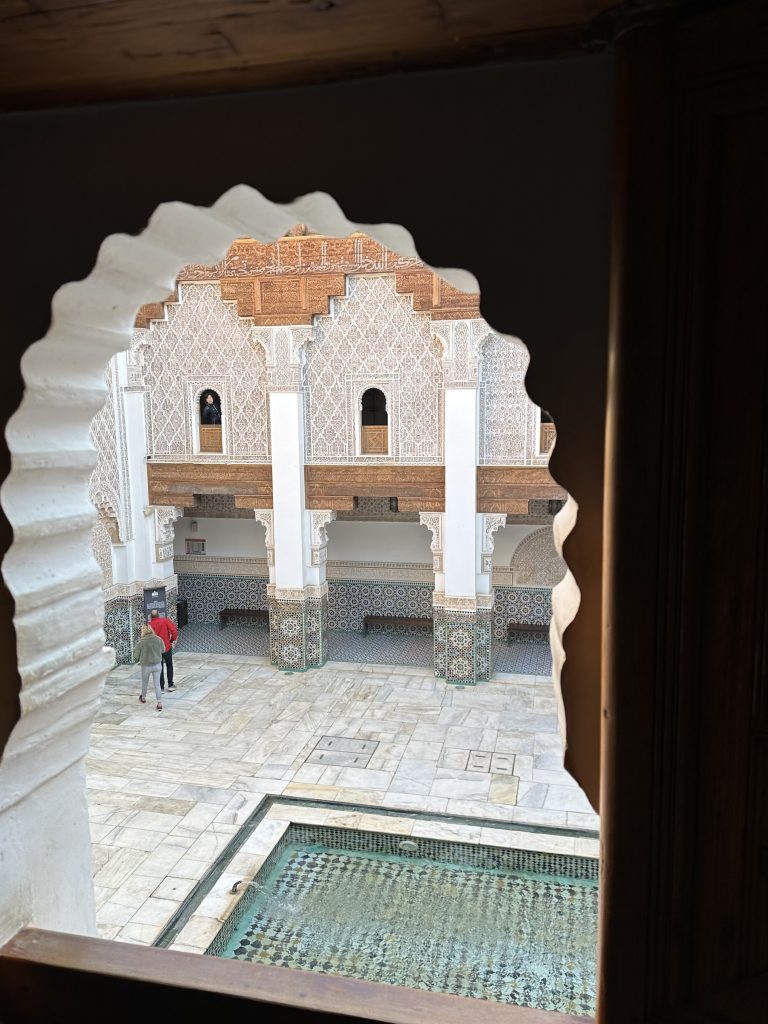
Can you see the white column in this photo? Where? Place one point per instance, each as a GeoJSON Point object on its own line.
{"type": "Point", "coordinates": [291, 525]}
{"type": "Point", "coordinates": [297, 592]}
{"type": "Point", "coordinates": [147, 553]}
{"type": "Point", "coordinates": [460, 530]}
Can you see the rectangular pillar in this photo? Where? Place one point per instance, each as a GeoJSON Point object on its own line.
{"type": "Point", "coordinates": [463, 611]}
{"type": "Point", "coordinates": [298, 597]}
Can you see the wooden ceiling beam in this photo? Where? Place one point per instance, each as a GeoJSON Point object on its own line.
{"type": "Point", "coordinates": [56, 53]}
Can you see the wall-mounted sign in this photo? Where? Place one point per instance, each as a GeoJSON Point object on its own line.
{"type": "Point", "coordinates": [154, 598]}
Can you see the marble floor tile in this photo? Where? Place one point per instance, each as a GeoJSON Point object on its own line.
{"type": "Point", "coordinates": [566, 798]}
{"type": "Point", "coordinates": [414, 776]}
{"type": "Point", "coordinates": [531, 794]}
{"type": "Point", "coordinates": [462, 789]}
{"type": "Point", "coordinates": [121, 864]}
{"type": "Point", "coordinates": [155, 911]}
{"type": "Point", "coordinates": [135, 890]}
{"type": "Point", "coordinates": [141, 934]}
{"type": "Point", "coordinates": [365, 778]}
{"type": "Point", "coordinates": [503, 790]}
{"type": "Point", "coordinates": [174, 888]}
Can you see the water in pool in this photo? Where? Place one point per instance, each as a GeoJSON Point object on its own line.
{"type": "Point", "coordinates": [510, 936]}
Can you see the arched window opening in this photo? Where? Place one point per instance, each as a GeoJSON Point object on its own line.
{"type": "Point", "coordinates": [210, 421]}
{"type": "Point", "coordinates": [374, 429]}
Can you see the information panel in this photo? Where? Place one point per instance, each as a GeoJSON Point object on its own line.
{"type": "Point", "coordinates": [154, 598]}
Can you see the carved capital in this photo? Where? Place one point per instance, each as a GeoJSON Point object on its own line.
{"type": "Point", "coordinates": [434, 523]}
{"type": "Point", "coordinates": [318, 536]}
{"type": "Point", "coordinates": [320, 519]}
{"type": "Point", "coordinates": [462, 342]}
{"type": "Point", "coordinates": [165, 517]}
{"type": "Point", "coordinates": [284, 351]}
{"type": "Point", "coordinates": [491, 523]}
{"type": "Point", "coordinates": [266, 518]}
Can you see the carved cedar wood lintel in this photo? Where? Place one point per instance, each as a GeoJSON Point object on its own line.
{"type": "Point", "coordinates": [175, 483]}
{"type": "Point", "coordinates": [417, 488]}
{"type": "Point", "coordinates": [509, 488]}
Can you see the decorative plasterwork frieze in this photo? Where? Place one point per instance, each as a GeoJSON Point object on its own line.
{"type": "Point", "coordinates": [434, 523]}
{"type": "Point", "coordinates": [284, 351]}
{"type": "Point", "coordinates": [297, 594]}
{"type": "Point", "coordinates": [465, 605]}
{"type": "Point", "coordinates": [213, 565]}
{"type": "Point", "coordinates": [123, 591]}
{"type": "Point", "coordinates": [454, 604]}
{"type": "Point", "coordinates": [380, 572]}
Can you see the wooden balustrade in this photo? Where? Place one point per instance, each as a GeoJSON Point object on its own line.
{"type": "Point", "coordinates": [375, 441]}
{"type": "Point", "coordinates": [210, 438]}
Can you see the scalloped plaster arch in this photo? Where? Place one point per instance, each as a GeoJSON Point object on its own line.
{"type": "Point", "coordinates": [50, 569]}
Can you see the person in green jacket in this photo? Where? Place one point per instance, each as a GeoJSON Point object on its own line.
{"type": "Point", "coordinates": [149, 654]}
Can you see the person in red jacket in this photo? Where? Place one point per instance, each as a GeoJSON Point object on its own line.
{"type": "Point", "coordinates": [168, 633]}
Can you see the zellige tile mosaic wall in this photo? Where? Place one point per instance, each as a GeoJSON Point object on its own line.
{"type": "Point", "coordinates": [350, 600]}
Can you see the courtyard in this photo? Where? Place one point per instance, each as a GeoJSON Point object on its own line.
{"type": "Point", "coordinates": [168, 790]}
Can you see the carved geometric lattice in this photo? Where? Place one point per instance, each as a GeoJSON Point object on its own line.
{"type": "Point", "coordinates": [204, 338]}
{"type": "Point", "coordinates": [535, 561]}
{"type": "Point", "coordinates": [373, 338]}
{"type": "Point", "coordinates": [101, 545]}
{"type": "Point", "coordinates": [104, 485]}
{"type": "Point", "coordinates": [507, 415]}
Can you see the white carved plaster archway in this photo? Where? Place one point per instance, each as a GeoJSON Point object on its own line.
{"type": "Point", "coordinates": [50, 569]}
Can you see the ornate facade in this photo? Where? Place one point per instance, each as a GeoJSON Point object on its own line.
{"type": "Point", "coordinates": [288, 337]}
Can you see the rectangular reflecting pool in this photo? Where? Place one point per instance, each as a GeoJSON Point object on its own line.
{"type": "Point", "coordinates": [512, 926]}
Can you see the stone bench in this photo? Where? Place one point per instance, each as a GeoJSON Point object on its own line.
{"type": "Point", "coordinates": [242, 614]}
{"type": "Point", "coordinates": [524, 631]}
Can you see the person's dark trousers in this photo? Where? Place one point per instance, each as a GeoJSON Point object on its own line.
{"type": "Point", "coordinates": [166, 666]}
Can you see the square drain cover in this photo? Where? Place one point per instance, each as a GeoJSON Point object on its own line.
{"type": "Point", "coordinates": [343, 752]}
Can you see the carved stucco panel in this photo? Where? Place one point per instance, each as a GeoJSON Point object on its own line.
{"type": "Point", "coordinates": [101, 545]}
{"type": "Point", "coordinates": [109, 485]}
{"type": "Point", "coordinates": [507, 415]}
{"type": "Point", "coordinates": [373, 334]}
{"type": "Point", "coordinates": [202, 339]}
